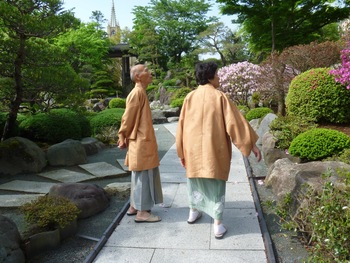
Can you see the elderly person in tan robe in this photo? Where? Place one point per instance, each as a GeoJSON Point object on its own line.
{"type": "Point", "coordinates": [137, 134]}
{"type": "Point", "coordinates": [208, 123]}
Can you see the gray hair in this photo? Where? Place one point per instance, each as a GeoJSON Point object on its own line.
{"type": "Point", "coordinates": [137, 69]}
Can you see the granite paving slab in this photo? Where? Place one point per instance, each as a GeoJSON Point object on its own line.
{"type": "Point", "coordinates": [27, 186]}
{"type": "Point", "coordinates": [102, 169]}
{"type": "Point", "coordinates": [122, 165]}
{"type": "Point", "coordinates": [66, 176]}
{"type": "Point", "coordinates": [17, 200]}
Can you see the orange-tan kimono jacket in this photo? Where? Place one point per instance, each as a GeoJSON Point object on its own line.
{"type": "Point", "coordinates": [208, 122]}
{"type": "Point", "coordinates": [137, 127]}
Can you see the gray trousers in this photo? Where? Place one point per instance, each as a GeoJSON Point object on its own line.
{"type": "Point", "coordinates": [146, 189]}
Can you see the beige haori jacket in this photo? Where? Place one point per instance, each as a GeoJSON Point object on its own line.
{"type": "Point", "coordinates": [137, 127]}
{"type": "Point", "coordinates": [208, 122]}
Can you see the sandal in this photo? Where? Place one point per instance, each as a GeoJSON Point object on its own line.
{"type": "Point", "coordinates": [151, 219]}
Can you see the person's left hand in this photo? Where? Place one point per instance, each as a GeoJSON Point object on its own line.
{"type": "Point", "coordinates": [183, 163]}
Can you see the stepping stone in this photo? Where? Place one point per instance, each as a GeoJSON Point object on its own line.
{"type": "Point", "coordinates": [17, 200]}
{"type": "Point", "coordinates": [102, 169]}
{"type": "Point", "coordinates": [121, 163]}
{"type": "Point", "coordinates": [66, 176]}
{"type": "Point", "coordinates": [27, 186]}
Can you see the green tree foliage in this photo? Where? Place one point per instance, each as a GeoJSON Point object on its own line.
{"type": "Point", "coordinates": [275, 25]}
{"type": "Point", "coordinates": [26, 27]}
{"type": "Point", "coordinates": [171, 25]}
{"type": "Point", "coordinates": [316, 95]}
{"type": "Point", "coordinates": [103, 85]}
{"type": "Point", "coordinates": [85, 46]}
{"type": "Point", "coordinates": [279, 69]}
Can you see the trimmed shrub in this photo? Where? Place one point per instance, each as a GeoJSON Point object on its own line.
{"type": "Point", "coordinates": [319, 143]}
{"type": "Point", "coordinates": [177, 103]}
{"type": "Point", "coordinates": [316, 95]}
{"type": "Point", "coordinates": [117, 103]}
{"type": "Point", "coordinates": [53, 127]}
{"type": "Point", "coordinates": [180, 93]}
{"type": "Point", "coordinates": [169, 82]}
{"type": "Point", "coordinates": [286, 128]}
{"type": "Point", "coordinates": [178, 97]}
{"type": "Point", "coordinates": [258, 113]}
{"type": "Point", "coordinates": [82, 120]}
{"type": "Point", "coordinates": [243, 109]}
{"type": "Point", "coordinates": [106, 118]}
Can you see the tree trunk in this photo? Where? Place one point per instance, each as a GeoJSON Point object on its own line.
{"type": "Point", "coordinates": [10, 124]}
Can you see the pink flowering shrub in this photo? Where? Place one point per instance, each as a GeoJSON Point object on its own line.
{"type": "Point", "coordinates": [239, 81]}
{"type": "Point", "coordinates": [342, 74]}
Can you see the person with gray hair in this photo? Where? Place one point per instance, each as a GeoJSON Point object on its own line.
{"type": "Point", "coordinates": [136, 133]}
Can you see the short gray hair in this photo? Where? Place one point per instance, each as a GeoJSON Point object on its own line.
{"type": "Point", "coordinates": [137, 69]}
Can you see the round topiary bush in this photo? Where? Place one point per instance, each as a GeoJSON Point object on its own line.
{"type": "Point", "coordinates": [117, 103]}
{"type": "Point", "coordinates": [316, 95]}
{"type": "Point", "coordinates": [258, 113]}
{"type": "Point", "coordinates": [106, 118]}
{"type": "Point", "coordinates": [80, 118]}
{"type": "Point", "coordinates": [53, 127]}
{"type": "Point", "coordinates": [319, 143]}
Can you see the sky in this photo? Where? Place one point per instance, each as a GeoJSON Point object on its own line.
{"type": "Point", "coordinates": [123, 8]}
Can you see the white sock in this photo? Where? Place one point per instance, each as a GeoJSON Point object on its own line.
{"type": "Point", "coordinates": [219, 229]}
{"type": "Point", "coordinates": [193, 215]}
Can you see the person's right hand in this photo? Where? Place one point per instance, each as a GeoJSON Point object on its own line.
{"type": "Point", "coordinates": [122, 145]}
{"type": "Point", "coordinates": [257, 153]}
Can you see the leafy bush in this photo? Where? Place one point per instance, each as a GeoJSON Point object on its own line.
{"type": "Point", "coordinates": [106, 118]}
{"type": "Point", "coordinates": [117, 103]}
{"type": "Point", "coordinates": [316, 95]}
{"type": "Point", "coordinates": [177, 103]}
{"type": "Point", "coordinates": [344, 157]}
{"type": "Point", "coordinates": [169, 82]}
{"type": "Point", "coordinates": [180, 93]}
{"type": "Point", "coordinates": [81, 118]}
{"type": "Point", "coordinates": [178, 97]}
{"type": "Point", "coordinates": [286, 128]}
{"type": "Point", "coordinates": [325, 220]}
{"type": "Point", "coordinates": [51, 127]}
{"type": "Point", "coordinates": [243, 109]}
{"type": "Point", "coordinates": [49, 212]}
{"type": "Point", "coordinates": [258, 113]}
{"type": "Point", "coordinates": [319, 143]}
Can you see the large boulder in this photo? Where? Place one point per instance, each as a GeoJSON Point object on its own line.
{"type": "Point", "coordinates": [92, 145]}
{"type": "Point", "coordinates": [286, 177]}
{"type": "Point", "coordinates": [19, 155]}
{"type": "Point", "coordinates": [272, 154]}
{"type": "Point", "coordinates": [158, 116]}
{"type": "Point", "coordinates": [67, 153]}
{"type": "Point", "coordinates": [264, 126]}
{"type": "Point", "coordinates": [10, 242]}
{"type": "Point", "coordinates": [171, 112]}
{"type": "Point", "coordinates": [91, 199]}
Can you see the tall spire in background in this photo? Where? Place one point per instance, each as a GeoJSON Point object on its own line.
{"type": "Point", "coordinates": [113, 28]}
{"type": "Point", "coordinates": [113, 22]}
